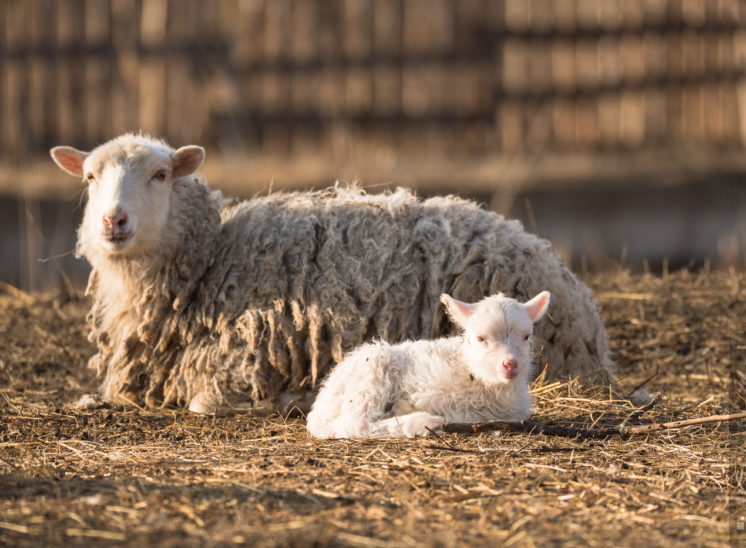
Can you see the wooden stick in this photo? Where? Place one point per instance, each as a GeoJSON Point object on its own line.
{"type": "Point", "coordinates": [643, 428]}
{"type": "Point", "coordinates": [520, 426]}
{"type": "Point", "coordinates": [548, 430]}
{"type": "Point", "coordinates": [585, 433]}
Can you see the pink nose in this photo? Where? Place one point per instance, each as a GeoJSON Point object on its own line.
{"type": "Point", "coordinates": [511, 367]}
{"type": "Point", "coordinates": [116, 221]}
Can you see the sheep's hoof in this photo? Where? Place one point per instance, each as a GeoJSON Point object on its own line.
{"type": "Point", "coordinates": [86, 402]}
{"type": "Point", "coordinates": [204, 404]}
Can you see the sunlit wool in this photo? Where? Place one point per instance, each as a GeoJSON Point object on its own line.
{"type": "Point", "coordinates": [214, 302]}
{"type": "Point", "coordinates": [411, 388]}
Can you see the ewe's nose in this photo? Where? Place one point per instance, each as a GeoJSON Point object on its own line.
{"type": "Point", "coordinates": [511, 366]}
{"type": "Point", "coordinates": [118, 221]}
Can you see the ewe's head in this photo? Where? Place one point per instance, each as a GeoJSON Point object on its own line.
{"type": "Point", "coordinates": [129, 179]}
{"type": "Point", "coordinates": [497, 335]}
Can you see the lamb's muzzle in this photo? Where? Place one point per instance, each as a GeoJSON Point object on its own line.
{"type": "Point", "coordinates": [511, 368]}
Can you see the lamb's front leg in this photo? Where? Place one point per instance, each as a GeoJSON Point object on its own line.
{"type": "Point", "coordinates": [419, 423]}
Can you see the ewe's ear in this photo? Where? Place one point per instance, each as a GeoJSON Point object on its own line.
{"type": "Point", "coordinates": [537, 306]}
{"type": "Point", "coordinates": [69, 159]}
{"type": "Point", "coordinates": [187, 160]}
{"type": "Point", "coordinates": [459, 310]}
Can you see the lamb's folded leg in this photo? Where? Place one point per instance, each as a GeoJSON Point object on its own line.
{"type": "Point", "coordinates": [345, 414]}
{"type": "Point", "coordinates": [355, 395]}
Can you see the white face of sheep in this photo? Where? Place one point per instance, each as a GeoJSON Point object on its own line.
{"type": "Point", "coordinates": [497, 335]}
{"type": "Point", "coordinates": [129, 189]}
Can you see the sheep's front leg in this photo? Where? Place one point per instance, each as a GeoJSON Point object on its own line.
{"type": "Point", "coordinates": [414, 424]}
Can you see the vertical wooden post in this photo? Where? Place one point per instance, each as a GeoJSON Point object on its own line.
{"type": "Point", "coordinates": [5, 63]}
{"type": "Point", "coordinates": [276, 86]}
{"type": "Point", "coordinates": [152, 75]}
{"type": "Point", "coordinates": [98, 72]}
{"type": "Point", "coordinates": [125, 37]}
{"type": "Point", "coordinates": [15, 140]}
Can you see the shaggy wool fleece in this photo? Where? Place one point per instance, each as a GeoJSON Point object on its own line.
{"type": "Point", "coordinates": [260, 297]}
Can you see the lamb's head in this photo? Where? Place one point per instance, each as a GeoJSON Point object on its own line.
{"type": "Point", "coordinates": [130, 181]}
{"type": "Point", "coordinates": [497, 335]}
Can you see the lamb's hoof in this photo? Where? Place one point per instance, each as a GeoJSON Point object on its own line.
{"type": "Point", "coordinates": [421, 426]}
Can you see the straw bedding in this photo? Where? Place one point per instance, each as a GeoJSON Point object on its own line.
{"type": "Point", "coordinates": [119, 475]}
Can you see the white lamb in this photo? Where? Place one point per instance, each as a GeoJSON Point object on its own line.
{"type": "Point", "coordinates": [413, 387]}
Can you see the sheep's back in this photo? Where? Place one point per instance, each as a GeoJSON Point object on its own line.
{"type": "Point", "coordinates": [309, 276]}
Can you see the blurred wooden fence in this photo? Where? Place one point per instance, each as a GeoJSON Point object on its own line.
{"type": "Point", "coordinates": [461, 76]}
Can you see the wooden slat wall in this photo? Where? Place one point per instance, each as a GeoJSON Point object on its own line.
{"type": "Point", "coordinates": [457, 76]}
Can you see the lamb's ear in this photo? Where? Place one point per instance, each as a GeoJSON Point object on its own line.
{"type": "Point", "coordinates": [537, 306]}
{"type": "Point", "coordinates": [459, 310]}
{"type": "Point", "coordinates": [187, 160]}
{"type": "Point", "coordinates": [69, 159]}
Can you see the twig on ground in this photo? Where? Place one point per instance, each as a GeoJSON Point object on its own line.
{"type": "Point", "coordinates": [569, 432]}
{"type": "Point", "coordinates": [623, 429]}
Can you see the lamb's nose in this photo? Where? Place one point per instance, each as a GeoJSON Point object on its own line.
{"type": "Point", "coordinates": [117, 221]}
{"type": "Point", "coordinates": [510, 365]}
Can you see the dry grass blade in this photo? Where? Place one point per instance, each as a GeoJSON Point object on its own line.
{"type": "Point", "coordinates": [93, 533]}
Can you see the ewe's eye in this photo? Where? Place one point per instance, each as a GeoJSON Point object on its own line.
{"type": "Point", "coordinates": [160, 175]}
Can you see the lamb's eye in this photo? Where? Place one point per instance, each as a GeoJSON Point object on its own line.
{"type": "Point", "coordinates": [160, 175]}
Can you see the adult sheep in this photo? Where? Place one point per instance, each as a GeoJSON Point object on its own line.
{"type": "Point", "coordinates": [204, 302]}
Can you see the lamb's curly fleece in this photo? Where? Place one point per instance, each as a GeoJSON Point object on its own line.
{"type": "Point", "coordinates": [411, 388]}
{"type": "Point", "coordinates": [404, 389]}
{"type": "Point", "coordinates": [255, 298]}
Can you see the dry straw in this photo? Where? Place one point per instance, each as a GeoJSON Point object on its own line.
{"type": "Point", "coordinates": [174, 479]}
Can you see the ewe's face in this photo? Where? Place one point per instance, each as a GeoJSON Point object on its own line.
{"type": "Point", "coordinates": [128, 199]}
{"type": "Point", "coordinates": [497, 336]}
{"type": "Point", "coordinates": [130, 180]}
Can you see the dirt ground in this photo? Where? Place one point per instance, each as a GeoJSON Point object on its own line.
{"type": "Point", "coordinates": [125, 476]}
